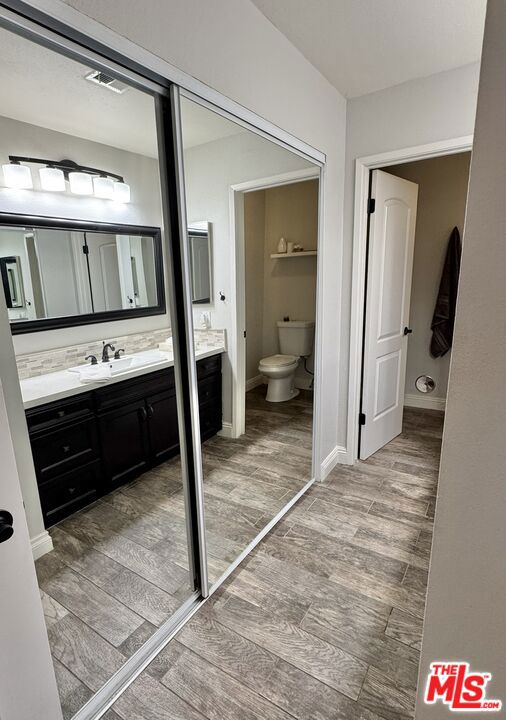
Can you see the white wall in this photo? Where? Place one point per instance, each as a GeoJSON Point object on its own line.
{"type": "Point", "coordinates": [210, 170]}
{"type": "Point", "coordinates": [435, 108]}
{"type": "Point", "coordinates": [242, 55]}
{"type": "Point", "coordinates": [465, 616]}
{"type": "Point", "coordinates": [141, 172]}
{"type": "Point", "coordinates": [442, 194]}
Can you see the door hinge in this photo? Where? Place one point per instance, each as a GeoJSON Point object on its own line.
{"type": "Point", "coordinates": [245, 333]}
{"type": "Point", "coordinates": [86, 250]}
{"type": "Point", "coordinates": [371, 206]}
{"type": "Point", "coordinates": [361, 419]}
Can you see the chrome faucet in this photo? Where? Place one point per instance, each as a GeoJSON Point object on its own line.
{"type": "Point", "coordinates": [105, 351]}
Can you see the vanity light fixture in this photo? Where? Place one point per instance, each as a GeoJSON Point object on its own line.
{"type": "Point", "coordinates": [82, 180]}
{"type": "Point", "coordinates": [103, 187]}
{"type": "Point", "coordinates": [52, 179]}
{"type": "Point", "coordinates": [121, 192]}
{"type": "Point", "coordinates": [80, 183]}
{"type": "Point", "coordinates": [17, 176]}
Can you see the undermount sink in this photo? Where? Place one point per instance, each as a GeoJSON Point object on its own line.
{"type": "Point", "coordinates": [120, 366]}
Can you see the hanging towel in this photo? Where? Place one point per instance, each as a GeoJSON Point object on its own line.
{"type": "Point", "coordinates": [444, 312]}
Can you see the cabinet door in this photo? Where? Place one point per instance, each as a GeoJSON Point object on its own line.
{"type": "Point", "coordinates": [124, 438]}
{"type": "Point", "coordinates": [163, 428]}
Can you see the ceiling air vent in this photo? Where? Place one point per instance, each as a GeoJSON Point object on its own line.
{"type": "Point", "coordinates": [100, 78]}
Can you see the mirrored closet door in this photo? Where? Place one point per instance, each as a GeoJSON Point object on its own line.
{"type": "Point", "coordinates": [259, 202]}
{"type": "Point", "coordinates": [89, 323]}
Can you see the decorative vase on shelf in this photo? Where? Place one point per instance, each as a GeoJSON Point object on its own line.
{"type": "Point", "coordinates": [282, 245]}
{"type": "Point", "coordinates": [289, 247]}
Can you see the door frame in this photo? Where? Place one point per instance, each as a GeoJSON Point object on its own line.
{"type": "Point", "coordinates": [363, 167]}
{"type": "Point", "coordinates": [238, 355]}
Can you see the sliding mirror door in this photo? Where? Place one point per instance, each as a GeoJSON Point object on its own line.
{"type": "Point", "coordinates": [87, 294]}
{"type": "Point", "coordinates": [254, 324]}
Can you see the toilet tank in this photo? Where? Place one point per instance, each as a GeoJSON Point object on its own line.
{"type": "Point", "coordinates": [296, 337]}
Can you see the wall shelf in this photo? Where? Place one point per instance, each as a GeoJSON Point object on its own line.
{"type": "Point", "coordinates": [303, 253]}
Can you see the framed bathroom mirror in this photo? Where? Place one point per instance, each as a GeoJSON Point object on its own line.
{"type": "Point", "coordinates": [199, 239]}
{"type": "Point", "coordinates": [61, 273]}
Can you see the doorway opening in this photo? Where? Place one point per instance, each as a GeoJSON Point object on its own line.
{"type": "Point", "coordinates": [280, 231]}
{"type": "Point", "coordinates": [388, 498]}
{"type": "Point", "coordinates": [415, 221]}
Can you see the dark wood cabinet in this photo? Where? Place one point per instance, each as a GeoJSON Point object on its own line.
{"type": "Point", "coordinates": [125, 443]}
{"type": "Point", "coordinates": [85, 446]}
{"type": "Point", "coordinates": [163, 429]}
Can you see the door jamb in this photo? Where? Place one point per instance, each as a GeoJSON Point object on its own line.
{"type": "Point", "coordinates": [363, 166]}
{"type": "Point", "coordinates": [236, 344]}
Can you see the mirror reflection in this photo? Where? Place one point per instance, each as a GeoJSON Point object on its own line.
{"type": "Point", "coordinates": [52, 273]}
{"type": "Point", "coordinates": [199, 239]}
{"type": "Point", "coordinates": [262, 202]}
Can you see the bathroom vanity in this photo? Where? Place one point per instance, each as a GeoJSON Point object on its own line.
{"type": "Point", "coordinates": [90, 442]}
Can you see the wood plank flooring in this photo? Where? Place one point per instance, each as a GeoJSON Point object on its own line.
{"type": "Point", "coordinates": [324, 620]}
{"type": "Point", "coordinates": [120, 567]}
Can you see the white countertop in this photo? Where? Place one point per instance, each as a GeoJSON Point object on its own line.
{"type": "Point", "coordinates": [44, 389]}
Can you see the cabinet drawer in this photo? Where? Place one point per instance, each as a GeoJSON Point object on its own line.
{"type": "Point", "coordinates": [208, 366]}
{"type": "Point", "coordinates": [210, 389]}
{"type": "Point", "coordinates": [69, 492]}
{"type": "Point", "coordinates": [135, 389]}
{"type": "Point", "coordinates": [75, 408]}
{"type": "Point", "coordinates": [61, 449]}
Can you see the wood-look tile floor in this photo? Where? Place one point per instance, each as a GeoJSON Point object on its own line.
{"type": "Point", "coordinates": [120, 567]}
{"type": "Point", "coordinates": [324, 620]}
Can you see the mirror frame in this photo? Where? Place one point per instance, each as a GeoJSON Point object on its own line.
{"type": "Point", "coordinates": [51, 223]}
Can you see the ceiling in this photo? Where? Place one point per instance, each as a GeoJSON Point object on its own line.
{"type": "Point", "coordinates": [40, 87]}
{"type": "Point", "coordinates": [365, 45]}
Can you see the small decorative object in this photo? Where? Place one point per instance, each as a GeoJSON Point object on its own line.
{"type": "Point", "coordinates": [205, 321]}
{"type": "Point", "coordinates": [282, 245]}
{"type": "Point", "coordinates": [298, 248]}
{"type": "Point", "coordinates": [425, 384]}
{"type": "Point", "coordinates": [289, 246]}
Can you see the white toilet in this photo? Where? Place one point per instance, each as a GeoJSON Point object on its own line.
{"type": "Point", "coordinates": [295, 341]}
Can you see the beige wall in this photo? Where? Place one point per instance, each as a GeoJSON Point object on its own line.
{"type": "Point", "coordinates": [289, 285]}
{"type": "Point", "coordinates": [442, 193]}
{"type": "Point", "coordinates": [466, 616]}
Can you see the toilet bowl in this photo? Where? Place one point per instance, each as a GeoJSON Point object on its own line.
{"type": "Point", "coordinates": [280, 372]}
{"type": "Point", "coordinates": [295, 341]}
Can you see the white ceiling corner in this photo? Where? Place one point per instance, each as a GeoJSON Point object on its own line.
{"type": "Point", "coordinates": [361, 46]}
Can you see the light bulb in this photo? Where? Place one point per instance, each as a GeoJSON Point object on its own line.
{"type": "Point", "coordinates": [80, 183]}
{"type": "Point", "coordinates": [121, 192]}
{"type": "Point", "coordinates": [103, 187]}
{"type": "Point", "coordinates": [17, 176]}
{"type": "Point", "coordinates": [52, 179]}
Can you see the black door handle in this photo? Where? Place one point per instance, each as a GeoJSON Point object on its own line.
{"type": "Point", "coordinates": [6, 525]}
{"type": "Point", "coordinates": [408, 331]}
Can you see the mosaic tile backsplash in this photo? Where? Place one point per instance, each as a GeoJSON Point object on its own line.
{"type": "Point", "coordinates": [50, 361]}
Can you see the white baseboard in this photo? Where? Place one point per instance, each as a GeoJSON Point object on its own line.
{"type": "Point", "coordinates": [335, 456]}
{"type": "Point", "coordinates": [254, 382]}
{"type": "Point", "coordinates": [226, 430]}
{"type": "Point", "coordinates": [425, 401]}
{"type": "Point", "coordinates": [41, 544]}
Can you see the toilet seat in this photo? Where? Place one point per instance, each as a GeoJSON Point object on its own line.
{"type": "Point", "coordinates": [278, 361]}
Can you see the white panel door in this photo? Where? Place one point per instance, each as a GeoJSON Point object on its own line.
{"type": "Point", "coordinates": [390, 266]}
{"type": "Point", "coordinates": [27, 681]}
